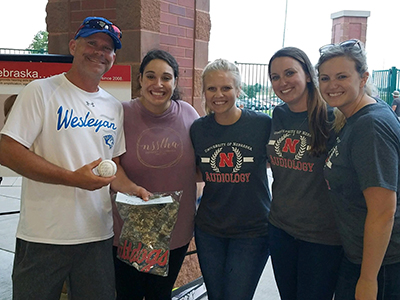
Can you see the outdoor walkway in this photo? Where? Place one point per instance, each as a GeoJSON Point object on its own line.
{"type": "Point", "coordinates": [10, 190]}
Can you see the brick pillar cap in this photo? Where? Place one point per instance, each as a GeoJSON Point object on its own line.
{"type": "Point", "coordinates": [351, 13]}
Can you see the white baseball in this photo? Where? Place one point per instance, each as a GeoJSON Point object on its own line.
{"type": "Point", "coordinates": [107, 168]}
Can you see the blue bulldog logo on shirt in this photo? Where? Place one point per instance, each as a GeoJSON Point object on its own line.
{"type": "Point", "coordinates": [109, 140]}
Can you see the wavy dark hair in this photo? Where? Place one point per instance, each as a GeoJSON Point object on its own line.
{"type": "Point", "coordinates": [170, 60]}
{"type": "Point", "coordinates": [316, 107]}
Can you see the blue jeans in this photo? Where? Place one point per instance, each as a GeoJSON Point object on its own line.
{"type": "Point", "coordinates": [231, 267]}
{"type": "Point", "coordinates": [303, 270]}
{"type": "Point", "coordinates": [388, 281]}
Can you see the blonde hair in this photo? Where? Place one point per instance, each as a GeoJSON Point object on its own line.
{"type": "Point", "coordinates": [359, 57]}
{"type": "Point", "coordinates": [221, 64]}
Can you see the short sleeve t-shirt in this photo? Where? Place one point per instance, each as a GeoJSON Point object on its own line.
{"type": "Point", "coordinates": [233, 163]}
{"type": "Point", "coordinates": [159, 157]}
{"type": "Point", "coordinates": [68, 127]}
{"type": "Point", "coordinates": [366, 154]}
{"type": "Point", "coordinates": [300, 204]}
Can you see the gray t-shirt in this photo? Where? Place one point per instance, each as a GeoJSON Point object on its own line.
{"type": "Point", "coordinates": [300, 204]}
{"type": "Point", "coordinates": [367, 154]}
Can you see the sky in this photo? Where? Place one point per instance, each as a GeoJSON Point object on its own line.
{"type": "Point", "coordinates": [22, 19]}
{"type": "Point", "coordinates": [251, 31]}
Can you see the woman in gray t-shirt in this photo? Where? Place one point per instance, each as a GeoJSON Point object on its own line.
{"type": "Point", "coordinates": [304, 242]}
{"type": "Point", "coordinates": [363, 173]}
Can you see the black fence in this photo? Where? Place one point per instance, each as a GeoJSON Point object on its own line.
{"type": "Point", "coordinates": [257, 92]}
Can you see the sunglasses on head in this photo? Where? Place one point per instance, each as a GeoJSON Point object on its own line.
{"type": "Point", "coordinates": [346, 44]}
{"type": "Point", "coordinates": [101, 25]}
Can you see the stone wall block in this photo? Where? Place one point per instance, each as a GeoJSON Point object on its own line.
{"type": "Point", "coordinates": [197, 83]}
{"type": "Point", "coordinates": [130, 51]}
{"type": "Point", "coordinates": [128, 14]}
{"type": "Point", "coordinates": [203, 26]}
{"type": "Point", "coordinates": [57, 18]}
{"type": "Point", "coordinates": [150, 15]}
{"type": "Point", "coordinates": [203, 5]}
{"type": "Point", "coordinates": [201, 54]}
{"type": "Point", "coordinates": [93, 4]}
{"type": "Point", "coordinates": [59, 43]}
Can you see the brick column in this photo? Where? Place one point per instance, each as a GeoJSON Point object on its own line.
{"type": "Point", "coordinates": [349, 24]}
{"type": "Point", "coordinates": [202, 36]}
{"type": "Point", "coordinates": [181, 27]}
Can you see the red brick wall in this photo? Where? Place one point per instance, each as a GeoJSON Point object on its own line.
{"type": "Point", "coordinates": [80, 9]}
{"type": "Point", "coordinates": [346, 28]}
{"type": "Point", "coordinates": [177, 37]}
{"type": "Point", "coordinates": [181, 27]}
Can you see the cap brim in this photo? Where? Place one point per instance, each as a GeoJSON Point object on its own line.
{"type": "Point", "coordinates": [85, 33]}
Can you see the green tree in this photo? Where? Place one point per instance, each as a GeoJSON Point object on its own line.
{"type": "Point", "coordinates": [251, 90]}
{"type": "Point", "coordinates": [258, 87]}
{"type": "Point", "coordinates": [243, 94]}
{"type": "Point", "coordinates": [40, 42]}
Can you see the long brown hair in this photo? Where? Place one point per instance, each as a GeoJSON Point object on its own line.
{"type": "Point", "coordinates": [316, 107]}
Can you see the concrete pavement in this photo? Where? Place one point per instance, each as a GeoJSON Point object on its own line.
{"type": "Point", "coordinates": [10, 190]}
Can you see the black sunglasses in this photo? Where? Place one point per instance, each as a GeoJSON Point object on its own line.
{"type": "Point", "coordinates": [101, 25]}
{"type": "Point", "coordinates": [346, 44]}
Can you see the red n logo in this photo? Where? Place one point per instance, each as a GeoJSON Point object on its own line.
{"type": "Point", "coordinates": [225, 160]}
{"type": "Point", "coordinates": [291, 144]}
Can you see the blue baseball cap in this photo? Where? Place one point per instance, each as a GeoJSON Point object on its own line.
{"type": "Point", "coordinates": [92, 25]}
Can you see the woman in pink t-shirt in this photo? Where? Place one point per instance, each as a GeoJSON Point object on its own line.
{"type": "Point", "coordinates": [159, 158]}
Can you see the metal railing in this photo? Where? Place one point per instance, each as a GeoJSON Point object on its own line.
{"type": "Point", "coordinates": [259, 95]}
{"type": "Point", "coordinates": [257, 92]}
{"type": "Point", "coordinates": [386, 81]}
{"type": "Point", "coordinates": [21, 51]}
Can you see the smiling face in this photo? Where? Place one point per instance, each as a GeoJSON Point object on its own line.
{"type": "Point", "coordinates": [289, 82]}
{"type": "Point", "coordinates": [93, 55]}
{"type": "Point", "coordinates": [341, 85]}
{"type": "Point", "coordinates": [158, 84]}
{"type": "Point", "coordinates": [221, 93]}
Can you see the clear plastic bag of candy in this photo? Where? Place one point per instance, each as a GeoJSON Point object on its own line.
{"type": "Point", "coordinates": [146, 233]}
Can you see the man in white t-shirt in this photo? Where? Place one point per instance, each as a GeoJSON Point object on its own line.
{"type": "Point", "coordinates": [59, 130]}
